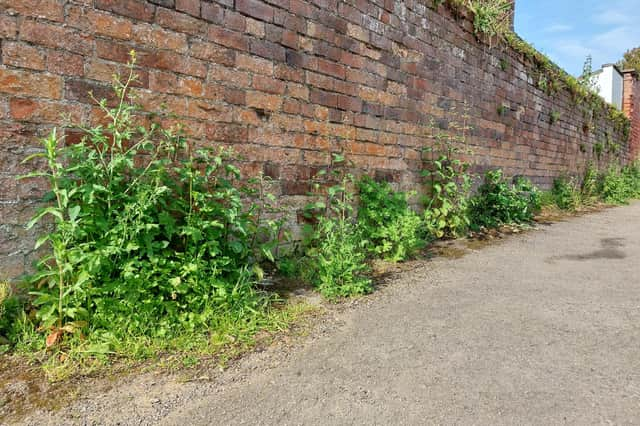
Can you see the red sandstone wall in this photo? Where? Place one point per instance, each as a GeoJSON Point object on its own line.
{"type": "Point", "coordinates": [631, 107]}
{"type": "Point", "coordinates": [284, 82]}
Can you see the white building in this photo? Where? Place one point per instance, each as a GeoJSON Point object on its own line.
{"type": "Point", "coordinates": [609, 84]}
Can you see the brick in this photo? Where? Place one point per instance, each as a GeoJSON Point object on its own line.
{"type": "Point", "coordinates": [323, 98]}
{"type": "Point", "coordinates": [164, 3]}
{"type": "Point", "coordinates": [288, 73]}
{"type": "Point", "coordinates": [212, 53]}
{"type": "Point", "coordinates": [227, 132]}
{"type": "Point", "coordinates": [56, 37]}
{"type": "Point", "coordinates": [358, 32]}
{"type": "Point", "coordinates": [136, 9]}
{"type": "Point", "coordinates": [296, 188]}
{"type": "Point", "coordinates": [212, 12]}
{"type": "Point", "coordinates": [228, 38]}
{"type": "Point", "coordinates": [349, 103]}
{"type": "Point", "coordinates": [264, 101]}
{"type": "Point", "coordinates": [256, 9]}
{"type": "Point", "coordinates": [101, 23]}
{"type": "Point", "coordinates": [180, 22]}
{"type": "Point", "coordinates": [234, 96]}
{"type": "Point", "coordinates": [268, 50]}
{"type": "Point", "coordinates": [254, 64]}
{"type": "Point", "coordinates": [52, 10]}
{"type": "Point", "coordinates": [167, 60]}
{"type": "Point", "coordinates": [97, 69]}
{"type": "Point", "coordinates": [20, 82]}
{"type": "Point", "coordinates": [8, 27]}
{"type": "Point", "coordinates": [192, 7]}
{"type": "Point", "coordinates": [84, 91]}
{"type": "Point", "coordinates": [22, 55]}
{"type": "Point", "coordinates": [331, 68]}
{"type": "Point", "coordinates": [165, 82]}
{"type": "Point", "coordinates": [65, 63]}
{"type": "Point", "coordinates": [255, 28]}
{"type": "Point", "coordinates": [39, 111]}
{"type": "Point", "coordinates": [234, 20]}
{"type": "Point", "coordinates": [268, 84]}
{"type": "Point", "coordinates": [298, 91]}
{"type": "Point", "coordinates": [159, 38]}
{"type": "Point", "coordinates": [229, 76]}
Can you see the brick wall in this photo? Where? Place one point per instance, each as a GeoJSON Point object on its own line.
{"type": "Point", "coordinates": [631, 107]}
{"type": "Point", "coordinates": [284, 82]}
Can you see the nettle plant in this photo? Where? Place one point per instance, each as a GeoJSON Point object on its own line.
{"type": "Point", "coordinates": [149, 235]}
{"type": "Point", "coordinates": [448, 182]}
{"type": "Point", "coordinates": [392, 228]}
{"type": "Point", "coordinates": [501, 202]}
{"type": "Point", "coordinates": [335, 247]}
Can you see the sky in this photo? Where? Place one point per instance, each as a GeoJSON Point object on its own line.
{"type": "Point", "coordinates": [569, 30]}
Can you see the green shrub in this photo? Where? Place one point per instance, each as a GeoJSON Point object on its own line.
{"type": "Point", "coordinates": [337, 259]}
{"type": "Point", "coordinates": [335, 250]}
{"type": "Point", "coordinates": [389, 225]}
{"type": "Point", "coordinates": [631, 174]}
{"type": "Point", "coordinates": [589, 188]}
{"type": "Point", "coordinates": [565, 193]}
{"type": "Point", "coordinates": [500, 202]}
{"type": "Point", "coordinates": [448, 183]}
{"type": "Point", "coordinates": [150, 236]}
{"type": "Point", "coordinates": [616, 187]}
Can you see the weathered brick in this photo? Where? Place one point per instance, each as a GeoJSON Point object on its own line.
{"type": "Point", "coordinates": [264, 101]}
{"type": "Point", "coordinates": [267, 50]}
{"type": "Point", "coordinates": [212, 53]}
{"type": "Point", "coordinates": [136, 9]}
{"type": "Point", "coordinates": [227, 132]}
{"type": "Point", "coordinates": [268, 84]}
{"type": "Point", "coordinates": [22, 55]}
{"type": "Point", "coordinates": [256, 9]}
{"type": "Point", "coordinates": [99, 22]}
{"type": "Point", "coordinates": [8, 27]}
{"type": "Point", "coordinates": [254, 64]}
{"type": "Point", "coordinates": [65, 63]}
{"type": "Point", "coordinates": [228, 38]}
{"type": "Point", "coordinates": [229, 76]}
{"type": "Point", "coordinates": [52, 10]}
{"type": "Point", "coordinates": [180, 22]}
{"type": "Point", "coordinates": [165, 82]}
{"type": "Point", "coordinates": [212, 12]}
{"type": "Point", "coordinates": [192, 7]}
{"type": "Point", "coordinates": [39, 111]}
{"type": "Point", "coordinates": [21, 82]}
{"type": "Point", "coordinates": [331, 68]}
{"type": "Point", "coordinates": [159, 38]}
{"type": "Point", "coordinates": [50, 35]}
{"type": "Point", "coordinates": [85, 92]}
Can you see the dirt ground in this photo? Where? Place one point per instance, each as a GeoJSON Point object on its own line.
{"type": "Point", "coordinates": [540, 328]}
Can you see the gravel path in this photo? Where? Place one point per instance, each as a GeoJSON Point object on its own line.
{"type": "Point", "coordinates": [543, 328]}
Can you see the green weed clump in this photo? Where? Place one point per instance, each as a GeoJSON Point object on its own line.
{"type": "Point", "coordinates": [616, 185]}
{"type": "Point", "coordinates": [335, 247]}
{"type": "Point", "coordinates": [500, 202]}
{"type": "Point", "coordinates": [566, 193]}
{"type": "Point", "coordinates": [448, 183]}
{"type": "Point", "coordinates": [619, 185]}
{"type": "Point", "coordinates": [149, 237]}
{"type": "Point", "coordinates": [391, 227]}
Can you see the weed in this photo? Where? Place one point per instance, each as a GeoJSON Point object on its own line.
{"type": "Point", "coordinates": [565, 193]}
{"type": "Point", "coordinates": [335, 252]}
{"type": "Point", "coordinates": [389, 225]}
{"type": "Point", "coordinates": [499, 202]}
{"type": "Point", "coordinates": [151, 238]}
